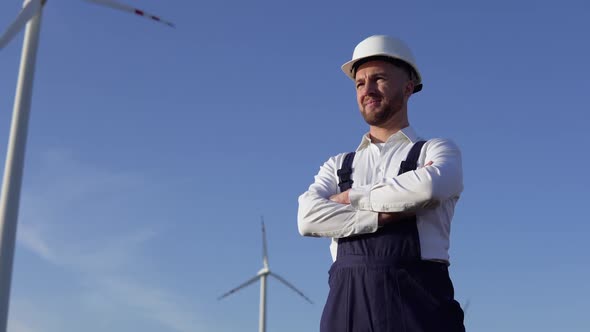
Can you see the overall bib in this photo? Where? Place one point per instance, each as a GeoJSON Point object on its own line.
{"type": "Point", "coordinates": [379, 283]}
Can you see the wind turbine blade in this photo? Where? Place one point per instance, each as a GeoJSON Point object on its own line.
{"type": "Point", "coordinates": [123, 7]}
{"type": "Point", "coordinates": [247, 283]}
{"type": "Point", "coordinates": [29, 10]}
{"type": "Point", "coordinates": [264, 249]}
{"type": "Point", "coordinates": [281, 279]}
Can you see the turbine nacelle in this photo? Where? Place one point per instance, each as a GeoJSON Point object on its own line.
{"type": "Point", "coordinates": [264, 271]}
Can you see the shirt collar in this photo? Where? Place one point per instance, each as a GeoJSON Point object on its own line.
{"type": "Point", "coordinates": [407, 133]}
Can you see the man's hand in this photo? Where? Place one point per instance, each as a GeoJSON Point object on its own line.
{"type": "Point", "coordinates": [341, 198]}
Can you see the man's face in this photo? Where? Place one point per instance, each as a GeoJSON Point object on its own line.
{"type": "Point", "coordinates": [381, 91]}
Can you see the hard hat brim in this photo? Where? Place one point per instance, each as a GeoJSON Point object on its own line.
{"type": "Point", "coordinates": [348, 67]}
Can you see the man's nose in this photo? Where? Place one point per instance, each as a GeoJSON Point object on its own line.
{"type": "Point", "coordinates": [370, 87]}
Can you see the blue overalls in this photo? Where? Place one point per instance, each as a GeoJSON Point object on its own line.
{"type": "Point", "coordinates": [379, 283]}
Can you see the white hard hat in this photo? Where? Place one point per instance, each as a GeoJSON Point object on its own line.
{"type": "Point", "coordinates": [384, 46]}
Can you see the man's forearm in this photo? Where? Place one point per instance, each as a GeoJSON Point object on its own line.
{"type": "Point", "coordinates": [318, 216]}
{"type": "Point", "coordinates": [437, 180]}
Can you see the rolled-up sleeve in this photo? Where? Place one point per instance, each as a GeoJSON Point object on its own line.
{"type": "Point", "coordinates": [318, 216]}
{"type": "Point", "coordinates": [425, 187]}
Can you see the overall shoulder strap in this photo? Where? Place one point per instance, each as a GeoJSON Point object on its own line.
{"type": "Point", "coordinates": [345, 172]}
{"type": "Point", "coordinates": [411, 161]}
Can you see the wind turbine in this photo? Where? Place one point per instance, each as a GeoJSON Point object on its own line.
{"type": "Point", "coordinates": [29, 16]}
{"type": "Point", "coordinates": [262, 275]}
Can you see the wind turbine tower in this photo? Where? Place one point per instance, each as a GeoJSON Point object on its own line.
{"type": "Point", "coordinates": [262, 275]}
{"type": "Point", "coordinates": [29, 18]}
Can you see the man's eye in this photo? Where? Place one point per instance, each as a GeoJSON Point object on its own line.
{"type": "Point", "coordinates": [360, 84]}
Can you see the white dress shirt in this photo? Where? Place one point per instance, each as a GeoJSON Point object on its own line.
{"type": "Point", "coordinates": [431, 192]}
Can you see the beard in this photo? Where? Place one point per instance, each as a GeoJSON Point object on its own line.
{"type": "Point", "coordinates": [386, 110]}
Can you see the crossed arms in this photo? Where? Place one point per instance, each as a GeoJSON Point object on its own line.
{"type": "Point", "coordinates": [325, 212]}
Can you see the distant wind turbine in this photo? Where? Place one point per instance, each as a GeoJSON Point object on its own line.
{"type": "Point", "coordinates": [262, 274]}
{"type": "Point", "coordinates": [29, 16]}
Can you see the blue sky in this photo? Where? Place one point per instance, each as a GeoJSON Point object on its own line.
{"type": "Point", "coordinates": [153, 152]}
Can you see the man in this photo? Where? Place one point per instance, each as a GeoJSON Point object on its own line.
{"type": "Point", "coordinates": [387, 207]}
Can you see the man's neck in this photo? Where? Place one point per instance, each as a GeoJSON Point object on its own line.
{"type": "Point", "coordinates": [381, 134]}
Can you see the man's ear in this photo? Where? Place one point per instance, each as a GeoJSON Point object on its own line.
{"type": "Point", "coordinates": [409, 89]}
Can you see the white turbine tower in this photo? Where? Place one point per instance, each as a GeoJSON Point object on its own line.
{"type": "Point", "coordinates": [30, 16]}
{"type": "Point", "coordinates": [262, 274]}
